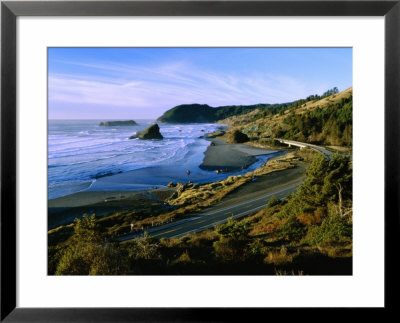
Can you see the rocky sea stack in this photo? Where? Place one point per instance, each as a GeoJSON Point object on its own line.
{"type": "Point", "coordinates": [152, 132]}
{"type": "Point", "coordinates": [117, 123]}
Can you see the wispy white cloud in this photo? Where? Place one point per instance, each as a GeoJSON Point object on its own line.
{"type": "Point", "coordinates": [164, 86]}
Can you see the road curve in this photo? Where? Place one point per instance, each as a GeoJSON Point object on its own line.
{"type": "Point", "coordinates": [217, 214]}
{"type": "Point", "coordinates": [319, 149]}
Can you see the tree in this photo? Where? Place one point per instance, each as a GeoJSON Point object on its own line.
{"type": "Point", "coordinates": [321, 186]}
{"type": "Point", "coordinates": [86, 230]}
{"type": "Point", "coordinates": [273, 201]}
{"type": "Point", "coordinates": [234, 229]}
{"type": "Point", "coordinates": [145, 248]}
{"type": "Point", "coordinates": [88, 254]}
{"type": "Point", "coordinates": [233, 241]}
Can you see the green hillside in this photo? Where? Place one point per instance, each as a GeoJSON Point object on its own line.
{"type": "Point", "coordinates": [324, 120]}
{"type": "Point", "coordinates": [319, 119]}
{"type": "Point", "coordinates": [203, 113]}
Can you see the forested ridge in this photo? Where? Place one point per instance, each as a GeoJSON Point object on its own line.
{"type": "Point", "coordinates": [322, 120]}
{"type": "Point", "coordinates": [307, 233]}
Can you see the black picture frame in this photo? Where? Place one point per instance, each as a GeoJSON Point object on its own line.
{"type": "Point", "coordinates": [10, 10]}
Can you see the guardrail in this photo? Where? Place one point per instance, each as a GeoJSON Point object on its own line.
{"type": "Point", "coordinates": [319, 149]}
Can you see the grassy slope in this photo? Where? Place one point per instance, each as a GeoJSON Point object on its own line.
{"type": "Point", "coordinates": [315, 242]}
{"type": "Point", "coordinates": [267, 243]}
{"type": "Point", "coordinates": [273, 244]}
{"type": "Point", "coordinates": [255, 124]}
{"type": "Point", "coordinates": [192, 199]}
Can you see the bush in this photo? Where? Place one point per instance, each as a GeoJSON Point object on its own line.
{"type": "Point", "coordinates": [292, 228]}
{"type": "Point", "coordinates": [238, 137]}
{"type": "Point", "coordinates": [273, 201]}
{"type": "Point", "coordinates": [278, 257]}
{"type": "Point", "coordinates": [234, 229]}
{"type": "Point", "coordinates": [231, 250]}
{"type": "Point", "coordinates": [183, 258]}
{"type": "Point", "coordinates": [144, 248]}
{"type": "Point", "coordinates": [331, 229]}
{"type": "Point", "coordinates": [233, 241]}
{"type": "Point", "coordinates": [88, 255]}
{"type": "Point", "coordinates": [92, 259]}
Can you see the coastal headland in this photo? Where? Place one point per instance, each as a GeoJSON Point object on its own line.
{"type": "Point", "coordinates": [263, 196]}
{"type": "Point", "coordinates": [199, 161]}
{"type": "Point", "coordinates": [218, 170]}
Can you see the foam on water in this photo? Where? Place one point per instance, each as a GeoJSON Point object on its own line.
{"type": "Point", "coordinates": [79, 152]}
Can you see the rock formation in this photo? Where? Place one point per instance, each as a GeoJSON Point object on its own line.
{"type": "Point", "coordinates": [237, 137]}
{"type": "Point", "coordinates": [152, 132]}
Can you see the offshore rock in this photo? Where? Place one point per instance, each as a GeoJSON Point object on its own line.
{"type": "Point", "coordinates": [152, 132]}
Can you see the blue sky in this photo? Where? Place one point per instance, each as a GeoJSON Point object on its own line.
{"type": "Point", "coordinates": [142, 83]}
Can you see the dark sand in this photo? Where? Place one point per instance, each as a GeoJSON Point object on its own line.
{"type": "Point", "coordinates": [64, 210]}
{"type": "Point", "coordinates": [231, 157]}
{"type": "Point", "coordinates": [133, 190]}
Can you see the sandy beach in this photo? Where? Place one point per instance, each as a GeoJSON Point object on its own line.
{"type": "Point", "coordinates": [231, 157]}
{"type": "Point", "coordinates": [133, 190]}
{"type": "Point", "coordinates": [64, 210]}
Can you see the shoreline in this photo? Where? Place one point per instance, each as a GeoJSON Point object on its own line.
{"type": "Point", "coordinates": [231, 157]}
{"type": "Point", "coordinates": [132, 190]}
{"type": "Point", "coordinates": [64, 210]}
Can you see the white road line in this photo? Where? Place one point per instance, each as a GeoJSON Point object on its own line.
{"type": "Point", "coordinates": [219, 222]}
{"type": "Point", "coordinates": [250, 201]}
{"type": "Point", "coordinates": [201, 215]}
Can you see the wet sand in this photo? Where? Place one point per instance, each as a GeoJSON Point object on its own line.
{"type": "Point", "coordinates": [65, 209]}
{"type": "Point", "coordinates": [136, 189]}
{"type": "Point", "coordinates": [231, 157]}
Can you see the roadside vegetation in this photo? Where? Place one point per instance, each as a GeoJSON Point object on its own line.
{"type": "Point", "coordinates": [183, 200]}
{"type": "Point", "coordinates": [310, 232]}
{"type": "Point", "coordinates": [307, 233]}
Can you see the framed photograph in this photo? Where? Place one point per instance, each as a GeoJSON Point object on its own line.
{"type": "Point", "coordinates": [170, 160]}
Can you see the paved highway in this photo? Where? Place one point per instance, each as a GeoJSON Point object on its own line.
{"type": "Point", "coordinates": [247, 199]}
{"type": "Point", "coordinates": [244, 205]}
{"type": "Point", "coordinates": [319, 149]}
{"type": "Point", "coordinates": [215, 215]}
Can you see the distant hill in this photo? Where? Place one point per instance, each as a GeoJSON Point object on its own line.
{"type": "Point", "coordinates": [189, 113]}
{"type": "Point", "coordinates": [325, 119]}
{"type": "Point", "coordinates": [203, 113]}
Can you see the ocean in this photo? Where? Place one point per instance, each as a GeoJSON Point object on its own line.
{"type": "Point", "coordinates": [85, 156]}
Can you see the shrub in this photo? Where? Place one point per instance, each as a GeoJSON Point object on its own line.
{"type": "Point", "coordinates": [234, 229]}
{"type": "Point", "coordinates": [144, 248]}
{"type": "Point", "coordinates": [238, 137]}
{"type": "Point", "coordinates": [183, 258]}
{"type": "Point", "coordinates": [233, 241]}
{"type": "Point", "coordinates": [278, 257]}
{"type": "Point", "coordinates": [331, 229]}
{"type": "Point", "coordinates": [230, 249]}
{"type": "Point", "coordinates": [292, 228]}
{"type": "Point", "coordinates": [88, 255]}
{"type": "Point", "coordinates": [273, 201]}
